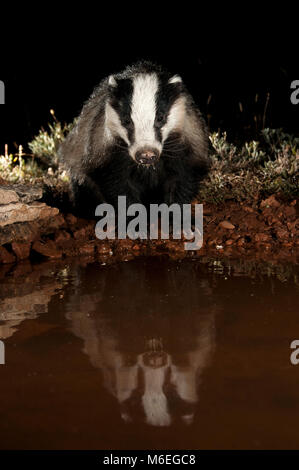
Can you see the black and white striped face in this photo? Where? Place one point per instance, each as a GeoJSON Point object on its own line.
{"type": "Point", "coordinates": [143, 111]}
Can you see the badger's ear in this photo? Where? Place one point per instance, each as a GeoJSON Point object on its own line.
{"type": "Point", "coordinates": [175, 79]}
{"type": "Point", "coordinates": [112, 82]}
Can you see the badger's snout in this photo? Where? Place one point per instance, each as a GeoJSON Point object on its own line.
{"type": "Point", "coordinates": [147, 156]}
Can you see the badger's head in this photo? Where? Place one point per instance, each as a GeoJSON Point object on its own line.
{"type": "Point", "coordinates": [144, 110]}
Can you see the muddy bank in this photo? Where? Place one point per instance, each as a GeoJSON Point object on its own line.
{"type": "Point", "coordinates": [269, 229]}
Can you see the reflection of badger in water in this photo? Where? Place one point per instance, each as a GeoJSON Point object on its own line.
{"type": "Point", "coordinates": [151, 336]}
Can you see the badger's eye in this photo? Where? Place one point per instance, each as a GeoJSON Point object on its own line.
{"type": "Point", "coordinates": [160, 119]}
{"type": "Point", "coordinates": [127, 121]}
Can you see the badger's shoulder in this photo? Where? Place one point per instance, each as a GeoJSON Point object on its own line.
{"type": "Point", "coordinates": [194, 129]}
{"type": "Point", "coordinates": [75, 152]}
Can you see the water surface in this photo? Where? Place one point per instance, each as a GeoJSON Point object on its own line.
{"type": "Point", "coordinates": [149, 354]}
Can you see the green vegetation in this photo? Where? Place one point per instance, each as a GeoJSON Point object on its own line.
{"type": "Point", "coordinates": [45, 145]}
{"type": "Point", "coordinates": [253, 170]}
{"type": "Point", "coordinates": [42, 162]}
{"type": "Point", "coordinates": [249, 171]}
{"type": "Point", "coordinates": [17, 168]}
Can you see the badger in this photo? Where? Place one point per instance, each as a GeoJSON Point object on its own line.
{"type": "Point", "coordinates": [139, 135]}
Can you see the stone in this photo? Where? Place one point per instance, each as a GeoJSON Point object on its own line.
{"type": "Point", "coordinates": [207, 209]}
{"type": "Point", "coordinates": [226, 224]}
{"type": "Point", "coordinates": [68, 247]}
{"type": "Point", "coordinates": [125, 245]}
{"type": "Point", "coordinates": [250, 221]}
{"type": "Point", "coordinates": [270, 202]}
{"type": "Point", "coordinates": [241, 242]}
{"type": "Point", "coordinates": [248, 209]}
{"type": "Point", "coordinates": [5, 256]}
{"type": "Point", "coordinates": [261, 238]}
{"type": "Point", "coordinates": [26, 193]}
{"type": "Point", "coordinates": [176, 246]}
{"type": "Point", "coordinates": [8, 196]}
{"type": "Point", "coordinates": [19, 212]}
{"type": "Point", "coordinates": [29, 231]}
{"type": "Point", "coordinates": [71, 219]}
{"type": "Point", "coordinates": [21, 249]}
{"type": "Point", "coordinates": [80, 234]}
{"type": "Point", "coordinates": [292, 226]}
{"type": "Point", "coordinates": [290, 212]}
{"type": "Point", "coordinates": [282, 234]}
{"type": "Point", "coordinates": [47, 249]}
{"type": "Point", "coordinates": [103, 248]}
{"type": "Point", "coordinates": [62, 235]}
{"type": "Point", "coordinates": [87, 249]}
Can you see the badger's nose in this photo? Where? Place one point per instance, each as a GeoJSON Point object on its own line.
{"type": "Point", "coordinates": [147, 156]}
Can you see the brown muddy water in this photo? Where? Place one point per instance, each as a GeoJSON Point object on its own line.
{"type": "Point", "coordinates": [149, 354]}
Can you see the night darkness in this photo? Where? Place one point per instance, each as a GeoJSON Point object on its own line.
{"type": "Point", "coordinates": [60, 72]}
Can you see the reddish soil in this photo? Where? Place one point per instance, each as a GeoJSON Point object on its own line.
{"type": "Point", "coordinates": [269, 230]}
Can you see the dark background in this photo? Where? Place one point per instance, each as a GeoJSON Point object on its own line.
{"type": "Point", "coordinates": [58, 70]}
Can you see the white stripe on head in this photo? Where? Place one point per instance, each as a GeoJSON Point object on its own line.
{"type": "Point", "coordinates": [143, 112]}
{"type": "Point", "coordinates": [176, 118]}
{"type": "Point", "coordinates": [175, 79]}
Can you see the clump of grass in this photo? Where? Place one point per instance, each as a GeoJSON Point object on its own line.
{"type": "Point", "coordinates": [42, 162]}
{"type": "Point", "coordinates": [15, 168]}
{"type": "Point", "coordinates": [45, 145]}
{"type": "Point", "coordinates": [254, 170]}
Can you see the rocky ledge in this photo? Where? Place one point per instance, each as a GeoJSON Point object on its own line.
{"type": "Point", "coordinates": [31, 229]}
{"type": "Point", "coordinates": [23, 219]}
